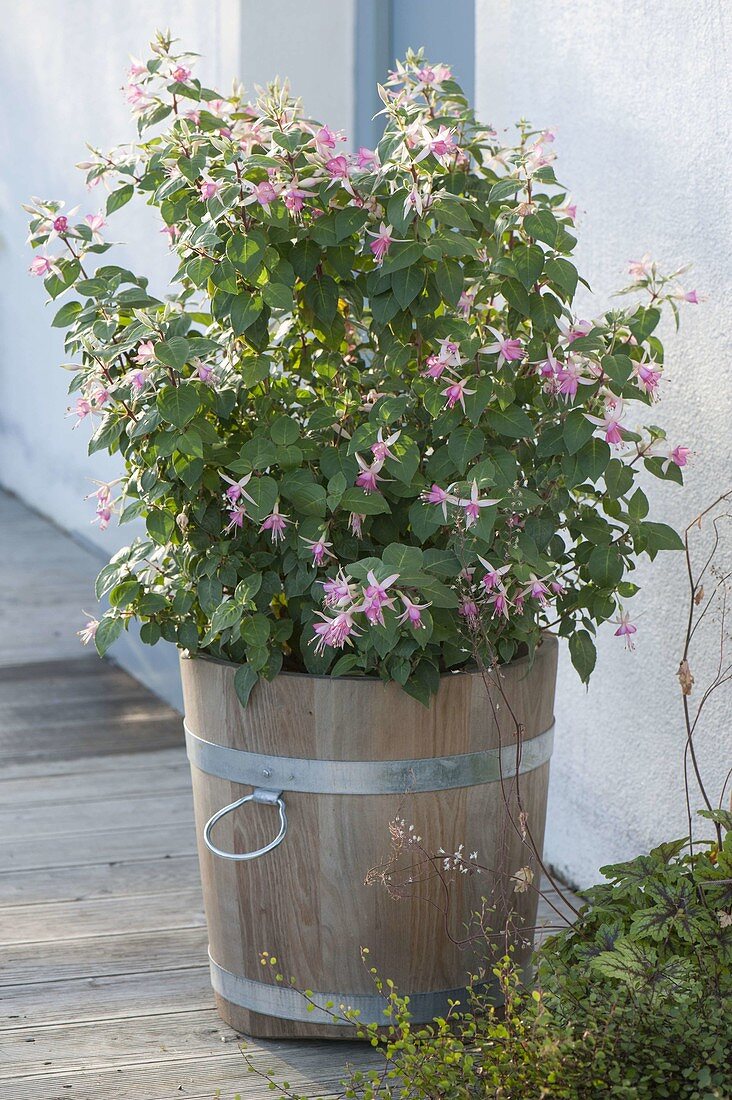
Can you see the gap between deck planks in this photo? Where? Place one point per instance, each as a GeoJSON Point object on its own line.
{"type": "Point", "coordinates": [104, 987]}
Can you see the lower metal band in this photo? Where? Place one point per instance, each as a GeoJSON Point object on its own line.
{"type": "Point", "coordinates": [430, 773]}
{"type": "Point", "coordinates": [286, 1003]}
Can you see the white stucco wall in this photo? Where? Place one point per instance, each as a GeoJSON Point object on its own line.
{"type": "Point", "coordinates": [638, 91]}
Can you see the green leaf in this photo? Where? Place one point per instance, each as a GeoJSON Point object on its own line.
{"type": "Point", "coordinates": [659, 536]}
{"type": "Point", "coordinates": [66, 315]}
{"type": "Point", "coordinates": [544, 227]}
{"type": "Point", "coordinates": [463, 445]}
{"type": "Point", "coordinates": [618, 478]}
{"type": "Point", "coordinates": [512, 422]}
{"type": "Point", "coordinates": [173, 352]}
{"type": "Point", "coordinates": [577, 431]}
{"type": "Point", "coordinates": [178, 404]}
{"type": "Point", "coordinates": [406, 284]}
{"type": "Point", "coordinates": [247, 253]}
{"type": "Point", "coordinates": [245, 309]}
{"type": "Point", "coordinates": [449, 279]}
{"type": "Point", "coordinates": [226, 615]}
{"type": "Point", "coordinates": [284, 430]}
{"type": "Point", "coordinates": [504, 189]}
{"type": "Point", "coordinates": [245, 678]}
{"type": "Point", "coordinates": [562, 274]}
{"type": "Point", "coordinates": [108, 631]}
{"type": "Point", "coordinates": [278, 296]}
{"type": "Point", "coordinates": [544, 310]}
{"type": "Point", "coordinates": [119, 197]}
{"type": "Point", "coordinates": [516, 295]}
{"type": "Point", "coordinates": [583, 653]}
{"type": "Point", "coordinates": [528, 260]}
{"type": "Point", "coordinates": [321, 296]}
{"type": "Point", "coordinates": [605, 566]}
{"type": "Point", "coordinates": [402, 255]}
{"type": "Point", "coordinates": [362, 503]}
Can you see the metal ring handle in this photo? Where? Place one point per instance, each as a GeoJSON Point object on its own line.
{"type": "Point", "coordinates": [269, 798]}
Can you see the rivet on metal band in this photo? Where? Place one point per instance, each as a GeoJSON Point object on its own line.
{"type": "Point", "coordinates": [288, 1004]}
{"type": "Point", "coordinates": [363, 777]}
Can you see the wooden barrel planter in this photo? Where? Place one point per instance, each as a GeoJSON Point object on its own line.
{"type": "Point", "coordinates": [329, 763]}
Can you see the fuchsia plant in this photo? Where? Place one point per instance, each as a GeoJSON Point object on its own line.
{"type": "Point", "coordinates": [365, 430]}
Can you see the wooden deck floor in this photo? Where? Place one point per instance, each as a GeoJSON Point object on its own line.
{"type": "Point", "coordinates": [104, 987]}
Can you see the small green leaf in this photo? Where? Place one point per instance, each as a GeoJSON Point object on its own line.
{"type": "Point", "coordinates": [528, 260]}
{"type": "Point", "coordinates": [173, 352]}
{"type": "Point", "coordinates": [583, 654]}
{"type": "Point", "coordinates": [463, 445]}
{"type": "Point", "coordinates": [605, 566]}
{"type": "Point", "coordinates": [512, 422]}
{"type": "Point", "coordinates": [577, 431]}
{"type": "Point", "coordinates": [66, 315]}
{"type": "Point", "coordinates": [108, 631]}
{"type": "Point", "coordinates": [244, 680]}
{"type": "Point", "coordinates": [449, 279]}
{"type": "Point", "coordinates": [178, 404]}
{"type": "Point", "coordinates": [362, 503]}
{"type": "Point", "coordinates": [119, 197]}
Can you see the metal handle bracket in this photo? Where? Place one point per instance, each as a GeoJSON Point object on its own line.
{"type": "Point", "coordinates": [259, 794]}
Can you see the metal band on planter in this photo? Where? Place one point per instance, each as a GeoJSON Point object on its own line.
{"type": "Point", "coordinates": [271, 775]}
{"type": "Point", "coordinates": [288, 1004]}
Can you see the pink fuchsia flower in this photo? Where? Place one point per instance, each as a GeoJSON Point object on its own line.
{"type": "Point", "coordinates": [548, 368]}
{"type": "Point", "coordinates": [96, 223]}
{"type": "Point", "coordinates": [338, 590]}
{"type": "Point", "coordinates": [412, 613]}
{"type": "Point", "coordinates": [382, 242]}
{"type": "Point", "coordinates": [88, 633]}
{"type": "Point", "coordinates": [648, 377]}
{"type": "Point", "coordinates": [138, 378]}
{"type": "Point", "coordinates": [103, 516]}
{"type": "Point", "coordinates": [492, 578]}
{"type": "Point", "coordinates": [265, 193]}
{"type": "Point", "coordinates": [237, 489]}
{"type": "Point", "coordinates": [469, 611]}
{"type": "Point", "coordinates": [641, 269]}
{"type": "Point", "coordinates": [571, 376]}
{"type": "Point", "coordinates": [204, 372]}
{"type": "Point", "coordinates": [181, 74]}
{"type": "Point", "coordinates": [691, 296]}
{"type": "Point", "coordinates": [101, 397]}
{"type": "Point", "coordinates": [537, 590]}
{"type": "Point", "coordinates": [319, 548]}
{"type": "Point", "coordinates": [294, 199]}
{"type": "Point", "coordinates": [573, 331]}
{"type": "Point", "coordinates": [434, 74]}
{"type": "Point", "coordinates": [172, 232]}
{"type": "Point", "coordinates": [678, 456]}
{"type": "Point", "coordinates": [436, 495]}
{"type": "Point", "coordinates": [376, 597]}
{"type": "Point", "coordinates": [557, 587]}
{"type": "Point", "coordinates": [473, 506]}
{"type": "Point", "coordinates": [366, 158]}
{"type": "Point", "coordinates": [338, 168]}
{"type": "Point", "coordinates": [369, 479]}
{"type": "Point", "coordinates": [626, 628]}
{"type": "Point", "coordinates": [236, 517]}
{"type": "Point", "coordinates": [43, 265]}
{"type": "Point", "coordinates": [276, 524]}
{"type": "Point", "coordinates": [508, 350]}
{"type": "Point", "coordinates": [456, 391]}
{"type": "Point", "coordinates": [81, 409]}
{"type": "Point", "coordinates": [416, 201]}
{"type": "Point", "coordinates": [145, 353]}
{"type": "Point", "coordinates": [325, 139]}
{"type": "Point", "coordinates": [501, 603]}
{"type": "Point", "coordinates": [60, 224]}
{"type": "Point", "coordinates": [465, 302]}
{"type": "Point", "coordinates": [336, 632]}
{"type": "Point", "coordinates": [380, 449]}
{"type": "Point", "coordinates": [355, 524]}
{"type": "Point", "coordinates": [567, 210]}
{"type": "Point", "coordinates": [610, 422]}
{"type": "Point", "coordinates": [208, 189]}
{"type": "Point", "coordinates": [435, 367]}
{"type": "Point", "coordinates": [449, 352]}
{"type": "Point", "coordinates": [441, 145]}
